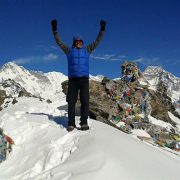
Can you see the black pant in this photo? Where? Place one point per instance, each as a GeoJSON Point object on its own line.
{"type": "Point", "coordinates": [74, 85]}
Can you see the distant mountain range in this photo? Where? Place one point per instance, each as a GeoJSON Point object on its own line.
{"type": "Point", "coordinates": [48, 85]}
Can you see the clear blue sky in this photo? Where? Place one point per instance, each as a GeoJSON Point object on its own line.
{"type": "Point", "coordinates": [144, 31]}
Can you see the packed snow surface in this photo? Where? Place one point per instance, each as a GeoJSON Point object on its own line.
{"type": "Point", "coordinates": [44, 150]}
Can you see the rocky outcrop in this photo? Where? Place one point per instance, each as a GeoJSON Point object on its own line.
{"type": "Point", "coordinates": [2, 98]}
{"type": "Point", "coordinates": [9, 90]}
{"type": "Point", "coordinates": [161, 103]}
{"type": "Point", "coordinates": [24, 93]}
{"type": "Point", "coordinates": [14, 101]}
{"type": "Point", "coordinates": [14, 89]}
{"type": "Point", "coordinates": [99, 101]}
{"type": "Point", "coordinates": [101, 104]}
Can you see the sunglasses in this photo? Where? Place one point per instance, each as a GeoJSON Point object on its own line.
{"type": "Point", "coordinates": [78, 42]}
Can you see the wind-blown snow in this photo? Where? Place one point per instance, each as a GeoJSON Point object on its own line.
{"type": "Point", "coordinates": [45, 150]}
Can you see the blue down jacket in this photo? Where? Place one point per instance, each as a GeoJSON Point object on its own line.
{"type": "Point", "coordinates": [78, 62]}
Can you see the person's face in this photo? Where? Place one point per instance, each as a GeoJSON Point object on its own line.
{"type": "Point", "coordinates": [78, 44]}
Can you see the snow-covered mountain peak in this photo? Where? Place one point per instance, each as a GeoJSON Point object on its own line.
{"type": "Point", "coordinates": [155, 74]}
{"type": "Point", "coordinates": [46, 85]}
{"type": "Point", "coordinates": [11, 70]}
{"type": "Point", "coordinates": [9, 65]}
{"type": "Point", "coordinates": [12, 66]}
{"type": "Point", "coordinates": [154, 69]}
{"type": "Point", "coordinates": [159, 71]}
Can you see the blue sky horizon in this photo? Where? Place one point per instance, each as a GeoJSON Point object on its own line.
{"type": "Point", "coordinates": [145, 32]}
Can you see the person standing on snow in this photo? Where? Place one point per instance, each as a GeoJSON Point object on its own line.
{"type": "Point", "coordinates": [78, 73]}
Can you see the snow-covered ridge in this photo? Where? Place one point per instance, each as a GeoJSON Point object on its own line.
{"type": "Point", "coordinates": [46, 85]}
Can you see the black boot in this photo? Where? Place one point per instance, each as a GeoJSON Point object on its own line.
{"type": "Point", "coordinates": [70, 128]}
{"type": "Point", "coordinates": [84, 127]}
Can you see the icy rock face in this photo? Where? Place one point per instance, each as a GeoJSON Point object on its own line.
{"type": "Point", "coordinates": [45, 85]}
{"type": "Point", "coordinates": [155, 74]}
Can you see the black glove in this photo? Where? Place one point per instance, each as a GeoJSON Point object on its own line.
{"type": "Point", "coordinates": [103, 25]}
{"type": "Point", "coordinates": [54, 24]}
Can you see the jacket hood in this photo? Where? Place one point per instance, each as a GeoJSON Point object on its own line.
{"type": "Point", "coordinates": [76, 38]}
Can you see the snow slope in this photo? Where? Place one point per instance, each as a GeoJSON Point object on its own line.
{"type": "Point", "coordinates": [44, 150]}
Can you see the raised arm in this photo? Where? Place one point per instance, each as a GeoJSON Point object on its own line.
{"type": "Point", "coordinates": [58, 40]}
{"type": "Point", "coordinates": [91, 47]}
